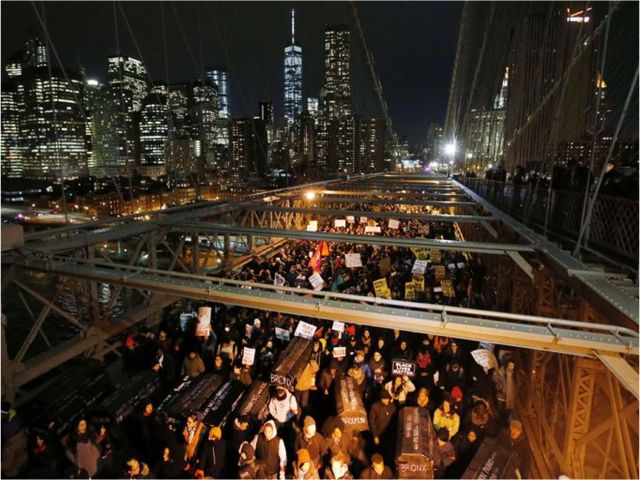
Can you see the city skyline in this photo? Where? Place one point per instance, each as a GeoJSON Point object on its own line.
{"type": "Point", "coordinates": [403, 84]}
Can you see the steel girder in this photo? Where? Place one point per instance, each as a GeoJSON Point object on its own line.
{"type": "Point", "coordinates": [562, 336]}
{"type": "Point", "coordinates": [376, 200]}
{"type": "Point", "coordinates": [369, 214]}
{"type": "Point", "coordinates": [452, 245]}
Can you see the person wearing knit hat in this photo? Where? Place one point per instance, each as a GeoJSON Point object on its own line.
{"type": "Point", "coordinates": [246, 461]}
{"type": "Point", "coordinates": [514, 438]}
{"type": "Point", "coordinates": [304, 468]}
{"type": "Point", "coordinates": [212, 455]}
{"type": "Point", "coordinates": [311, 441]}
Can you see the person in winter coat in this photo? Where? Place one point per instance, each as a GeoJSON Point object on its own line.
{"type": "Point", "coordinates": [378, 368]}
{"type": "Point", "coordinates": [466, 447]}
{"type": "Point", "coordinates": [192, 434]}
{"type": "Point", "coordinates": [359, 379]}
{"type": "Point", "coordinates": [338, 469]}
{"type": "Point", "coordinates": [306, 383]}
{"type": "Point", "coordinates": [192, 365]}
{"type": "Point", "coordinates": [283, 406]}
{"type": "Point", "coordinates": [444, 453]}
{"type": "Point", "coordinates": [136, 469]}
{"type": "Point", "coordinates": [399, 388]}
{"type": "Point", "coordinates": [221, 366]}
{"type": "Point", "coordinates": [82, 449]}
{"type": "Point", "coordinates": [380, 416]}
{"type": "Point", "coordinates": [212, 455]}
{"type": "Point", "coordinates": [247, 462]}
{"type": "Point", "coordinates": [445, 417]}
{"type": "Point", "coordinates": [42, 459]}
{"type": "Point", "coordinates": [377, 469]}
{"type": "Point", "coordinates": [241, 374]}
{"type": "Point", "coordinates": [239, 434]}
{"type": "Point", "coordinates": [515, 438]}
{"type": "Point", "coordinates": [327, 376]}
{"type": "Point", "coordinates": [304, 468]}
{"type": "Point", "coordinates": [506, 386]}
{"type": "Point", "coordinates": [14, 443]}
{"type": "Point", "coordinates": [271, 455]}
{"type": "Point", "coordinates": [452, 375]}
{"type": "Point", "coordinates": [311, 441]}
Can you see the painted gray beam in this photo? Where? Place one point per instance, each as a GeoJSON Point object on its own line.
{"type": "Point", "coordinates": [391, 201]}
{"type": "Point", "coordinates": [359, 213]}
{"type": "Point", "coordinates": [451, 245]}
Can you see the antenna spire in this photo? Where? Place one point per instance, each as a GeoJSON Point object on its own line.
{"type": "Point", "coordinates": [293, 26]}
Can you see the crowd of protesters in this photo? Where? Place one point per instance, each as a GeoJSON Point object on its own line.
{"type": "Point", "coordinates": [302, 437]}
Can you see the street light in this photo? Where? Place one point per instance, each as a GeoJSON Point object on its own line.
{"type": "Point", "coordinates": [310, 195]}
{"type": "Point", "coordinates": [450, 149]}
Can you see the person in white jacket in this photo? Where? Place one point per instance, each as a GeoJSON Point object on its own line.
{"type": "Point", "coordinates": [399, 387]}
{"type": "Point", "coordinates": [283, 406]}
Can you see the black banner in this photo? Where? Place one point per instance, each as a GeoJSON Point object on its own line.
{"type": "Point", "coordinates": [403, 367]}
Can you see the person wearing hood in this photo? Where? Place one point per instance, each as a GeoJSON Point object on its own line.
{"type": "Point", "coordinates": [271, 454]}
{"type": "Point", "coordinates": [304, 468]}
{"type": "Point", "coordinates": [380, 416]}
{"type": "Point", "coordinates": [306, 382]}
{"type": "Point", "coordinates": [283, 406]}
{"type": "Point", "coordinates": [212, 455]}
{"type": "Point", "coordinates": [467, 445]}
{"type": "Point", "coordinates": [246, 462]}
{"type": "Point", "coordinates": [82, 449]}
{"type": "Point", "coordinates": [312, 441]}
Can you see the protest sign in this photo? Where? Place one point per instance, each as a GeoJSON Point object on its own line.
{"type": "Point", "coordinates": [403, 367]}
{"type": "Point", "coordinates": [278, 280]}
{"type": "Point", "coordinates": [304, 330]}
{"type": "Point", "coordinates": [204, 322]}
{"type": "Point", "coordinates": [421, 253]}
{"type": "Point", "coordinates": [418, 282]}
{"type": "Point", "coordinates": [341, 223]}
{"type": "Point", "coordinates": [282, 334]}
{"type": "Point", "coordinates": [363, 219]}
{"type": "Point", "coordinates": [351, 219]}
{"type": "Point", "coordinates": [439, 272]}
{"type": "Point", "coordinates": [436, 257]}
{"type": "Point", "coordinates": [437, 289]}
{"type": "Point", "coordinates": [313, 226]}
{"type": "Point", "coordinates": [409, 291]}
{"type": "Point", "coordinates": [381, 288]}
{"type": "Point", "coordinates": [316, 281]}
{"type": "Point", "coordinates": [460, 265]}
{"type": "Point", "coordinates": [419, 267]}
{"type": "Point", "coordinates": [339, 352]}
{"type": "Point", "coordinates": [338, 327]}
{"type": "Point", "coordinates": [447, 288]}
{"type": "Point", "coordinates": [353, 260]}
{"type": "Point", "coordinates": [368, 229]}
{"type": "Point", "coordinates": [385, 266]}
{"type": "Point", "coordinates": [394, 224]}
{"type": "Point", "coordinates": [248, 356]}
{"type": "Point", "coordinates": [485, 358]}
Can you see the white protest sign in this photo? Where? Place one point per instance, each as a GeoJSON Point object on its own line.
{"type": "Point", "coordinates": [437, 289]}
{"type": "Point", "coordinates": [372, 230]}
{"type": "Point", "coordinates": [485, 358]}
{"type": "Point", "coordinates": [278, 280]}
{"type": "Point", "coordinates": [304, 330]}
{"type": "Point", "coordinates": [248, 355]}
{"type": "Point", "coordinates": [338, 327]}
{"type": "Point", "coordinates": [342, 223]}
{"type": "Point", "coordinates": [364, 219]}
{"type": "Point", "coordinates": [282, 334]}
{"type": "Point", "coordinates": [313, 226]}
{"type": "Point", "coordinates": [351, 219]}
{"type": "Point", "coordinates": [339, 352]}
{"type": "Point", "coordinates": [460, 265]}
{"type": "Point", "coordinates": [204, 322]}
{"type": "Point", "coordinates": [394, 224]}
{"type": "Point", "coordinates": [353, 260]}
{"type": "Point", "coordinates": [419, 267]}
{"type": "Point", "coordinates": [316, 281]}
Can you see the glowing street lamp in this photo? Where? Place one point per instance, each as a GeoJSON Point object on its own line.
{"type": "Point", "coordinates": [450, 149]}
{"type": "Point", "coordinates": [310, 195]}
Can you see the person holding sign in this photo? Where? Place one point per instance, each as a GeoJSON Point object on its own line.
{"type": "Point", "coordinates": [241, 374]}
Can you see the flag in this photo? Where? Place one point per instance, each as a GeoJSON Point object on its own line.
{"type": "Point", "coordinates": [324, 249]}
{"type": "Point", "coordinates": [314, 263]}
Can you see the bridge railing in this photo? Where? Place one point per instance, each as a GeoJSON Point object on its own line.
{"type": "Point", "coordinates": [612, 231]}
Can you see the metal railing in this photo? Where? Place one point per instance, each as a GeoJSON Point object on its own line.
{"type": "Point", "coordinates": [612, 231]}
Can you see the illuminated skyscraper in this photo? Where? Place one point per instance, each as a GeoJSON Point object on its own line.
{"type": "Point", "coordinates": [35, 53]}
{"type": "Point", "coordinates": [220, 79]}
{"type": "Point", "coordinates": [337, 68]}
{"type": "Point", "coordinates": [292, 76]}
{"type": "Point", "coordinates": [248, 148]}
{"type": "Point", "coordinates": [133, 75]}
{"type": "Point", "coordinates": [11, 153]}
{"type": "Point", "coordinates": [154, 133]}
{"type": "Point", "coordinates": [371, 136]}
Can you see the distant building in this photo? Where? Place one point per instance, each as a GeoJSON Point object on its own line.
{"type": "Point", "coordinates": [265, 110]}
{"type": "Point", "coordinates": [154, 133]}
{"type": "Point", "coordinates": [220, 78]}
{"type": "Point", "coordinates": [313, 106]}
{"type": "Point", "coordinates": [435, 141]}
{"type": "Point", "coordinates": [11, 153]}
{"type": "Point", "coordinates": [131, 75]}
{"type": "Point", "coordinates": [292, 76]}
{"type": "Point", "coordinates": [248, 149]}
{"type": "Point", "coordinates": [337, 67]}
{"type": "Point", "coordinates": [371, 144]}
{"type": "Point", "coordinates": [204, 115]}
{"type": "Point", "coordinates": [183, 156]}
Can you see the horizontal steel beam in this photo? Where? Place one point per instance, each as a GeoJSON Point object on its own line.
{"type": "Point", "coordinates": [555, 335]}
{"type": "Point", "coordinates": [359, 213]}
{"type": "Point", "coordinates": [450, 245]}
{"type": "Point", "coordinates": [375, 192]}
{"type": "Point", "coordinates": [376, 200]}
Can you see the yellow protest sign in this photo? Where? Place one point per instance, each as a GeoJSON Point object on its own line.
{"type": "Point", "coordinates": [439, 272]}
{"type": "Point", "coordinates": [418, 282]}
{"type": "Point", "coordinates": [421, 253]}
{"type": "Point", "coordinates": [447, 288]}
{"type": "Point", "coordinates": [381, 288]}
{"type": "Point", "coordinates": [409, 291]}
{"type": "Point", "coordinates": [435, 256]}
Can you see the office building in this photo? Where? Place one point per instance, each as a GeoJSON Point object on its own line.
{"type": "Point", "coordinates": [220, 78]}
{"type": "Point", "coordinates": [337, 65]}
{"type": "Point", "coordinates": [313, 106]}
{"type": "Point", "coordinates": [129, 74]}
{"type": "Point", "coordinates": [292, 77]}
{"type": "Point", "coordinates": [154, 133]}
{"type": "Point", "coordinates": [371, 136]}
{"type": "Point", "coordinates": [10, 153]}
{"type": "Point", "coordinates": [265, 111]}
{"type": "Point", "coordinates": [248, 149]}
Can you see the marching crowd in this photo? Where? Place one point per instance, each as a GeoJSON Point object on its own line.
{"type": "Point", "coordinates": [466, 397]}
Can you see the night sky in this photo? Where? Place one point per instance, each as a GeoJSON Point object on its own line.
{"type": "Point", "coordinates": [413, 45]}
